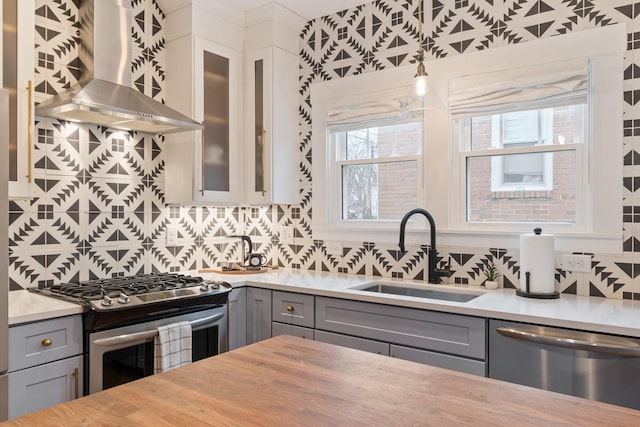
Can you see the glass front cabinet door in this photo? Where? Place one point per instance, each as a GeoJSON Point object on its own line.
{"type": "Point", "coordinates": [204, 166]}
{"type": "Point", "coordinates": [271, 153]}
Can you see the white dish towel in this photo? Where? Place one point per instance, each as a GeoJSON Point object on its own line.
{"type": "Point", "coordinates": [172, 347]}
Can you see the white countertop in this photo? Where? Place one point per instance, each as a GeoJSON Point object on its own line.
{"type": "Point", "coordinates": [25, 306]}
{"type": "Point", "coordinates": [569, 311]}
{"type": "Point", "coordinates": [587, 313]}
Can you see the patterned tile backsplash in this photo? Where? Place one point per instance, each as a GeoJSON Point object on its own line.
{"type": "Point", "coordinates": [99, 205]}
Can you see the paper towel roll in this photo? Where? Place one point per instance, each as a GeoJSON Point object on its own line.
{"type": "Point", "coordinates": [537, 258]}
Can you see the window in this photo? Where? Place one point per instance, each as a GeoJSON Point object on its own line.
{"type": "Point", "coordinates": [368, 155]}
{"type": "Point", "coordinates": [377, 169]}
{"type": "Point", "coordinates": [520, 139]}
{"type": "Point", "coordinates": [570, 182]}
{"type": "Point", "coordinates": [524, 166]}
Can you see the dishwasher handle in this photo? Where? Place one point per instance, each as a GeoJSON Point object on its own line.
{"type": "Point", "coordinates": [617, 346]}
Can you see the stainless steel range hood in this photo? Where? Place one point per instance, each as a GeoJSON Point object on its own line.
{"type": "Point", "coordinates": [104, 95]}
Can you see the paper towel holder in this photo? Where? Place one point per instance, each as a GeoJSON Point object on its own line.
{"type": "Point", "coordinates": [527, 294]}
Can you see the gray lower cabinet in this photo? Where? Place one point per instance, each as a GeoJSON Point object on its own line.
{"type": "Point", "coordinates": [45, 364]}
{"type": "Point", "coordinates": [445, 340]}
{"type": "Point", "coordinates": [441, 339]}
{"type": "Point", "coordinates": [258, 314]}
{"type": "Point", "coordinates": [237, 321]}
{"type": "Point", "coordinates": [278, 328]}
{"type": "Point", "coordinates": [353, 342]}
{"type": "Point", "coordinates": [447, 361]}
{"type": "Point", "coordinates": [293, 308]}
{"type": "Point", "coordinates": [43, 386]}
{"type": "Point", "coordinates": [293, 314]}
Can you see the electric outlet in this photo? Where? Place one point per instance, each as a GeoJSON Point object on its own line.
{"type": "Point", "coordinates": [286, 234]}
{"type": "Point", "coordinates": [334, 248]}
{"type": "Point", "coordinates": [172, 235]}
{"type": "Point", "coordinates": [577, 263]}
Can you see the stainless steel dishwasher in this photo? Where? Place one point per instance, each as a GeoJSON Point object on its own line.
{"type": "Point", "coordinates": [600, 367]}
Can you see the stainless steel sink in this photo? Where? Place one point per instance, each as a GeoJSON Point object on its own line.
{"type": "Point", "coordinates": [445, 295]}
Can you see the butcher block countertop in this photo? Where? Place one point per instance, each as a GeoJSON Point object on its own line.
{"type": "Point", "coordinates": [291, 381]}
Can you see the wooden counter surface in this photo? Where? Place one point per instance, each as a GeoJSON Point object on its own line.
{"type": "Point", "coordinates": [288, 381]}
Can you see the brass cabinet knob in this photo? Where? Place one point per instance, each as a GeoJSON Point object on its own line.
{"type": "Point", "coordinates": [46, 342]}
{"type": "Point", "coordinates": [290, 308]}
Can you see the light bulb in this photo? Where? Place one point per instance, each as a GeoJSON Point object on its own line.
{"type": "Point", "coordinates": [420, 85]}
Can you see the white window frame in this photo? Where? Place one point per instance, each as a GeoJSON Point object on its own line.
{"type": "Point", "coordinates": [599, 227]}
{"type": "Point", "coordinates": [337, 168]}
{"type": "Point", "coordinates": [326, 171]}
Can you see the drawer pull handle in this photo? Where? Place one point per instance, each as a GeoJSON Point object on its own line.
{"type": "Point", "coordinates": [290, 308]}
{"type": "Point", "coordinates": [29, 131]}
{"type": "Point", "coordinates": [75, 384]}
{"type": "Point", "coordinates": [202, 165]}
{"type": "Point", "coordinates": [46, 342]}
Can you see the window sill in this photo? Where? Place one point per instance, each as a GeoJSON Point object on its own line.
{"type": "Point", "coordinates": [416, 235]}
{"type": "Point", "coordinates": [564, 241]}
{"type": "Point", "coordinates": [521, 194]}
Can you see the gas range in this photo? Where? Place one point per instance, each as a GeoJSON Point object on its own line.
{"type": "Point", "coordinates": [129, 299]}
{"type": "Point", "coordinates": [123, 315]}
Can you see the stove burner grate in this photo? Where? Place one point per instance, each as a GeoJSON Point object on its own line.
{"type": "Point", "coordinates": [130, 285]}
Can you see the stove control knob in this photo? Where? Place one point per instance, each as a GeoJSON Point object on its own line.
{"type": "Point", "coordinates": [204, 286]}
{"type": "Point", "coordinates": [123, 298]}
{"type": "Point", "coordinates": [106, 301]}
{"type": "Point", "coordinates": [215, 285]}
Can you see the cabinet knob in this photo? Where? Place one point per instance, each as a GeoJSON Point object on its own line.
{"type": "Point", "coordinates": [46, 342]}
{"type": "Point", "coordinates": [290, 308]}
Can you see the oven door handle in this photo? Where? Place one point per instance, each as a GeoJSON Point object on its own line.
{"type": "Point", "coordinates": [144, 335]}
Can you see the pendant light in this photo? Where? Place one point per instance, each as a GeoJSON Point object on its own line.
{"type": "Point", "coordinates": [420, 79]}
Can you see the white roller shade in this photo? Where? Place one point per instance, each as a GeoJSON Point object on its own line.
{"type": "Point", "coordinates": [518, 89]}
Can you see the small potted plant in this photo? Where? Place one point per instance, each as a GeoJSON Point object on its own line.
{"type": "Point", "coordinates": [492, 274]}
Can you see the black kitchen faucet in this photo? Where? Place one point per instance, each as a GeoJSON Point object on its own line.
{"type": "Point", "coordinates": [434, 274]}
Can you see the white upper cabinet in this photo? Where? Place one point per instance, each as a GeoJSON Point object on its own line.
{"type": "Point", "coordinates": [271, 155]}
{"type": "Point", "coordinates": [270, 143]}
{"type": "Point", "coordinates": [17, 78]}
{"type": "Point", "coordinates": [248, 104]}
{"type": "Point", "coordinates": [204, 77]}
{"type": "Point", "coordinates": [203, 166]}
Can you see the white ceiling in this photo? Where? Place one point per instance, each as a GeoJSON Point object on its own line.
{"type": "Point", "coordinates": [306, 8]}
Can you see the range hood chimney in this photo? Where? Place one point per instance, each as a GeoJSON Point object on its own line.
{"type": "Point", "coordinates": [104, 95]}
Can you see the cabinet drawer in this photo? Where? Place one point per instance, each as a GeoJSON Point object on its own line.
{"type": "Point", "coordinates": [446, 361]}
{"type": "Point", "coordinates": [353, 342]}
{"type": "Point", "coordinates": [41, 342]}
{"type": "Point", "coordinates": [296, 331]}
{"type": "Point", "coordinates": [430, 330]}
{"type": "Point", "coordinates": [292, 308]}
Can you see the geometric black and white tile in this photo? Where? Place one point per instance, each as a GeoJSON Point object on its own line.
{"type": "Point", "coordinates": [378, 35]}
{"type": "Point", "coordinates": [99, 206]}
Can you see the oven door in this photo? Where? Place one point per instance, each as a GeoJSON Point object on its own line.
{"type": "Point", "coordinates": [120, 355]}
